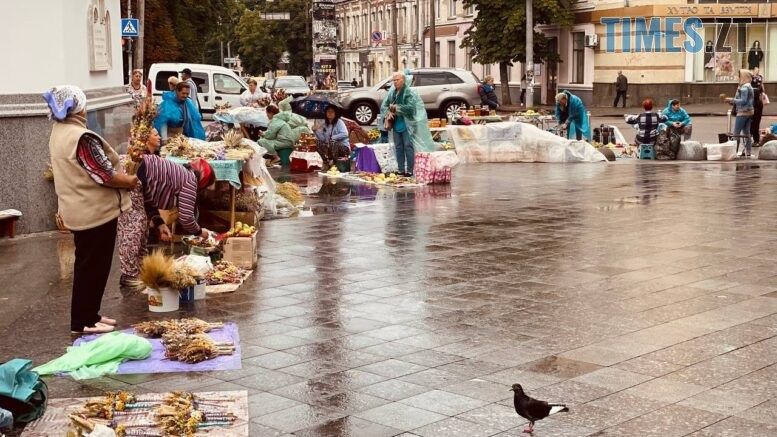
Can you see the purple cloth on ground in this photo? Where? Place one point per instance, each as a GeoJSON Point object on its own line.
{"type": "Point", "coordinates": [157, 363]}
{"type": "Point", "coordinates": [366, 160]}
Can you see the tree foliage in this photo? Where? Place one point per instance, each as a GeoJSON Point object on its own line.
{"type": "Point", "coordinates": [498, 33]}
{"type": "Point", "coordinates": [262, 43]}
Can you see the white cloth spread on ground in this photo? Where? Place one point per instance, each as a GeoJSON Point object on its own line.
{"type": "Point", "coordinates": [517, 142]}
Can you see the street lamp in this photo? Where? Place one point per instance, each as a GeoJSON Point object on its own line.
{"type": "Point", "coordinates": [529, 54]}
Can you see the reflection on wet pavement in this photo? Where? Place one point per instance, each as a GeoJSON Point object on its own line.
{"type": "Point", "coordinates": [642, 295]}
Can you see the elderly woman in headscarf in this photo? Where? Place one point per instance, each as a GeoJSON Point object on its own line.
{"type": "Point", "coordinates": [178, 114]}
{"type": "Point", "coordinates": [571, 115]}
{"type": "Point", "coordinates": [91, 193]}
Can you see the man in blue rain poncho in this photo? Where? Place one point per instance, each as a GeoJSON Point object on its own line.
{"type": "Point", "coordinates": [178, 114]}
{"type": "Point", "coordinates": [404, 114]}
{"type": "Point", "coordinates": [571, 113]}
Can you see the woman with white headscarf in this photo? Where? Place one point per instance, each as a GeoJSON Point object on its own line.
{"type": "Point", "coordinates": [91, 193]}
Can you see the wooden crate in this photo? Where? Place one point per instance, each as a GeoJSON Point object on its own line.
{"type": "Point", "coordinates": [241, 251]}
{"type": "Point", "coordinates": [218, 221]}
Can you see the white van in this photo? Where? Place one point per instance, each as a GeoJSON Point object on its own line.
{"type": "Point", "coordinates": [215, 85]}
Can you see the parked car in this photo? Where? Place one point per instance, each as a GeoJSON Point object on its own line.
{"type": "Point", "coordinates": [296, 86]}
{"type": "Point", "coordinates": [442, 89]}
{"type": "Point", "coordinates": [216, 85]}
{"type": "Point", "coordinates": [344, 85]}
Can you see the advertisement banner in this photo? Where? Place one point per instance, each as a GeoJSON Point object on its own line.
{"type": "Point", "coordinates": [324, 45]}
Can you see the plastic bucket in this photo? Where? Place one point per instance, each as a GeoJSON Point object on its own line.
{"type": "Point", "coordinates": [162, 300]}
{"type": "Point", "coordinates": [186, 295]}
{"type": "Point", "coordinates": [199, 291]}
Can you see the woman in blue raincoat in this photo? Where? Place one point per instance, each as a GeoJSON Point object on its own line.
{"type": "Point", "coordinates": [178, 114]}
{"type": "Point", "coordinates": [571, 113]}
{"type": "Point", "coordinates": [678, 119]}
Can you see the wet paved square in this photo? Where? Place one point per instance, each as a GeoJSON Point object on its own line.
{"type": "Point", "coordinates": [643, 295]}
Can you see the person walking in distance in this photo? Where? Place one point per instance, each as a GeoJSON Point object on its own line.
{"type": "Point", "coordinates": [621, 86]}
{"type": "Point", "coordinates": [621, 89]}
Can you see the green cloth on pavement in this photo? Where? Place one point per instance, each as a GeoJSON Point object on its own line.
{"type": "Point", "coordinates": [224, 169]}
{"type": "Point", "coordinates": [98, 357]}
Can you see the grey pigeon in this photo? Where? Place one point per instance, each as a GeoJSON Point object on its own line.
{"type": "Point", "coordinates": [532, 409]}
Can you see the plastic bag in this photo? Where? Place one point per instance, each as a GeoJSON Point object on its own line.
{"type": "Point", "coordinates": [6, 419]}
{"type": "Point", "coordinates": [200, 264]}
{"type": "Point", "coordinates": [721, 152]}
{"type": "Point", "coordinates": [99, 357]}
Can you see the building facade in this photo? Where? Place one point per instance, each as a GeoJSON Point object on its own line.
{"type": "Point", "coordinates": [365, 39]}
{"type": "Point", "coordinates": [663, 55]}
{"type": "Point", "coordinates": [76, 42]}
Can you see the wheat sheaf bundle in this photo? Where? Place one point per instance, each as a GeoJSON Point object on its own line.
{"type": "Point", "coordinates": [156, 270]}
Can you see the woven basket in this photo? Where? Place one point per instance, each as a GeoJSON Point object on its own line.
{"type": "Point", "coordinates": [61, 224]}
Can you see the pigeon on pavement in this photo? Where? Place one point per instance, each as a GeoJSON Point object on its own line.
{"type": "Point", "coordinates": [532, 409]}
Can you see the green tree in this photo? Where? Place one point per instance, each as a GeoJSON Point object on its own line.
{"type": "Point", "coordinates": [160, 43]}
{"type": "Point", "coordinates": [263, 42]}
{"type": "Point", "coordinates": [498, 33]}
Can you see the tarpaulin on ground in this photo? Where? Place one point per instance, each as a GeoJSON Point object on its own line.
{"type": "Point", "coordinates": [517, 142]}
{"type": "Point", "coordinates": [157, 363]}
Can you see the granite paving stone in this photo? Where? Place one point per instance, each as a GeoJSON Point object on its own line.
{"type": "Point", "coordinates": [641, 293]}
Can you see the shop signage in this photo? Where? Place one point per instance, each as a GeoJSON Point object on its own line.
{"type": "Point", "coordinates": [712, 10]}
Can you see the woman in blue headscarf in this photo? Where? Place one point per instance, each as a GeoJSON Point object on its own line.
{"type": "Point", "coordinates": [571, 113]}
{"type": "Point", "coordinates": [178, 114]}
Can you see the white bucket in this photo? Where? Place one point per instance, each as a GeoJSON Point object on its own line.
{"type": "Point", "coordinates": [163, 300]}
{"type": "Point", "coordinates": [199, 291]}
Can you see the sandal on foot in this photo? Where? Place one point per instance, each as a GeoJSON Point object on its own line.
{"type": "Point", "coordinates": [98, 328]}
{"type": "Point", "coordinates": [107, 321]}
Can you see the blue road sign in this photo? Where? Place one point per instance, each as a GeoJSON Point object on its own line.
{"type": "Point", "coordinates": [129, 27]}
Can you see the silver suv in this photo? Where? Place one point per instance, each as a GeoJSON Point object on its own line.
{"type": "Point", "coordinates": [442, 89]}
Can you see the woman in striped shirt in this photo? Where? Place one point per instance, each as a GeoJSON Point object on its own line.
{"type": "Point", "coordinates": [167, 185]}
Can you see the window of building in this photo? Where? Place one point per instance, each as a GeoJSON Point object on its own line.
{"type": "Point", "coordinates": [468, 58]}
{"type": "Point", "coordinates": [469, 11]}
{"type": "Point", "coordinates": [487, 70]}
{"type": "Point", "coordinates": [437, 8]}
{"type": "Point", "coordinates": [451, 8]}
{"type": "Point", "coordinates": [451, 54]}
{"type": "Point", "coordinates": [437, 54]}
{"type": "Point", "coordinates": [578, 57]}
{"type": "Point", "coordinates": [710, 65]}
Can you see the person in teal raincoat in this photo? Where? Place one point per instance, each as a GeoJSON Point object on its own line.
{"type": "Point", "coordinates": [278, 134]}
{"type": "Point", "coordinates": [678, 119]}
{"type": "Point", "coordinates": [571, 113]}
{"type": "Point", "coordinates": [407, 116]}
{"type": "Point", "coordinates": [178, 114]}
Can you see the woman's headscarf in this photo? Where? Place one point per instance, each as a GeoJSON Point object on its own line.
{"type": "Point", "coordinates": [64, 100]}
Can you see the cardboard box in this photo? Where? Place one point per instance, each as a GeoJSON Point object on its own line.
{"type": "Point", "coordinates": [242, 251]}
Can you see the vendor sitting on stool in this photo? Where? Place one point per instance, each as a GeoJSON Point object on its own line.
{"type": "Point", "coordinates": [332, 138]}
{"type": "Point", "coordinates": [678, 119]}
{"type": "Point", "coordinates": [648, 123]}
{"type": "Point", "coordinates": [278, 134]}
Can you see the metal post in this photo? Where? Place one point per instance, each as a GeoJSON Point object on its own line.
{"type": "Point", "coordinates": [222, 54]}
{"type": "Point", "coordinates": [141, 31]}
{"type": "Point", "coordinates": [129, 41]}
{"type": "Point", "coordinates": [529, 55]}
{"type": "Point", "coordinates": [432, 36]}
{"type": "Point", "coordinates": [394, 47]}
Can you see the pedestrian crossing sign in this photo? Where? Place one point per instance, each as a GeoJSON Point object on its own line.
{"type": "Point", "coordinates": [129, 27]}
